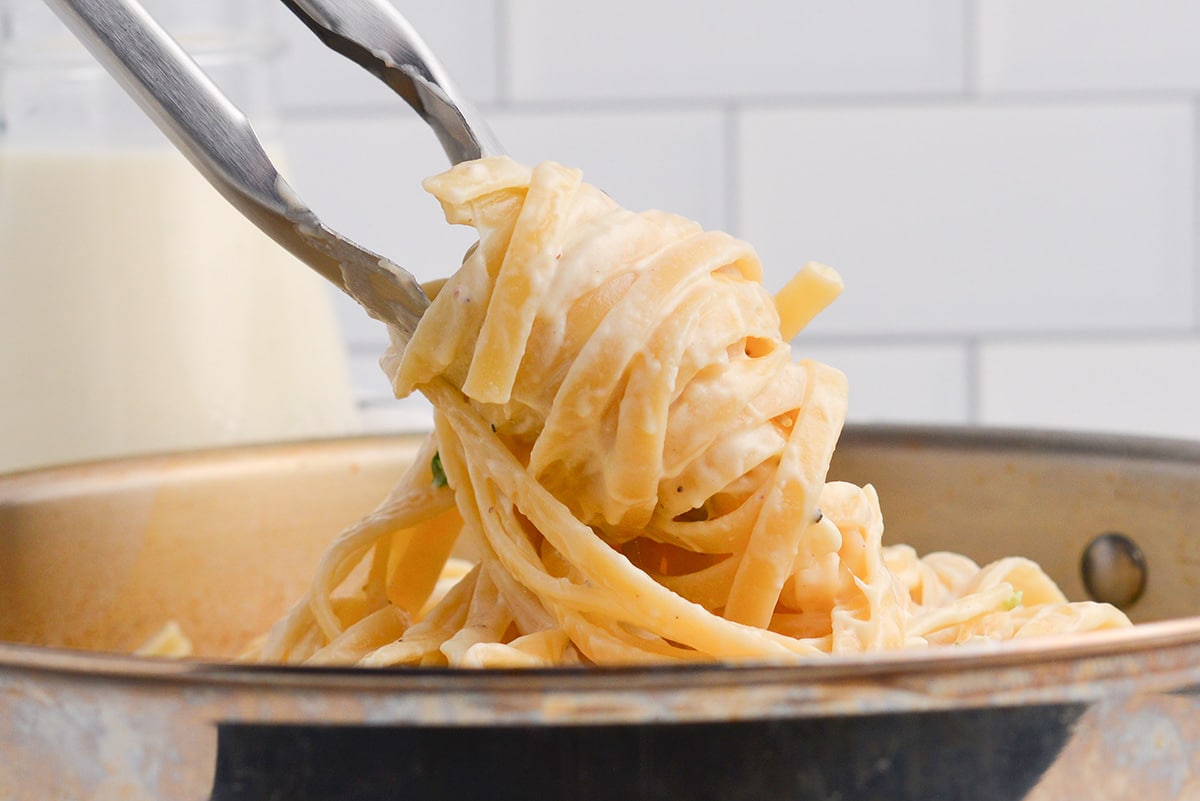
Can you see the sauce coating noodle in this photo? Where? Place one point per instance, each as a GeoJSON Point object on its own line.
{"type": "Point", "coordinates": [624, 440]}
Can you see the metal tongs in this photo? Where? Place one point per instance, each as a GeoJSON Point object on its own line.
{"type": "Point", "coordinates": [218, 139]}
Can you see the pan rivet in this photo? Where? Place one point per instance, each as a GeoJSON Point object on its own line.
{"type": "Point", "coordinates": [1114, 570]}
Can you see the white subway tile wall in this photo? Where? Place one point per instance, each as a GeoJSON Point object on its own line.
{"type": "Point", "coordinates": [1037, 46]}
{"type": "Point", "coordinates": [1144, 385]}
{"type": "Point", "coordinates": [954, 219]}
{"type": "Point", "coordinates": [669, 49]}
{"type": "Point", "coordinates": [1008, 187]}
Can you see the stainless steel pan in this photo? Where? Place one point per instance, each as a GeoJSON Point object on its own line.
{"type": "Point", "coordinates": [94, 558]}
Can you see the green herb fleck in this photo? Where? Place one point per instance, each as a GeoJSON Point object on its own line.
{"type": "Point", "coordinates": [439, 473]}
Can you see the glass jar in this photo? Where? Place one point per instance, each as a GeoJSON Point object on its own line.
{"type": "Point", "coordinates": [139, 312]}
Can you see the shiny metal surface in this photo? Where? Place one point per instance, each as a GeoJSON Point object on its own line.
{"type": "Point", "coordinates": [221, 143]}
{"type": "Point", "coordinates": [96, 556]}
{"type": "Point", "coordinates": [374, 35]}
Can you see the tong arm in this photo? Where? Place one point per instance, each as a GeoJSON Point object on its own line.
{"type": "Point", "coordinates": [374, 35]}
{"type": "Point", "coordinates": [218, 139]}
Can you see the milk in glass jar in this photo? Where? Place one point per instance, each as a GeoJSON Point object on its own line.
{"type": "Point", "coordinates": [139, 312]}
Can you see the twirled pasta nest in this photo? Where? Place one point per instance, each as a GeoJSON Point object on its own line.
{"type": "Point", "coordinates": [635, 464]}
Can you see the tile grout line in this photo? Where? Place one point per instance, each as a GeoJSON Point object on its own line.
{"type": "Point", "coordinates": [839, 102]}
{"type": "Point", "coordinates": [972, 378]}
{"type": "Point", "coordinates": [1076, 336]}
{"type": "Point", "coordinates": [971, 54]}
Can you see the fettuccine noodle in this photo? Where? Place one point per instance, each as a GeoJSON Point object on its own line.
{"type": "Point", "coordinates": [625, 443]}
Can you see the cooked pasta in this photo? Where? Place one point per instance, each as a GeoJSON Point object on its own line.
{"type": "Point", "coordinates": [626, 447]}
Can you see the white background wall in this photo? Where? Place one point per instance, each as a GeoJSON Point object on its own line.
{"type": "Point", "coordinates": [1008, 187]}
